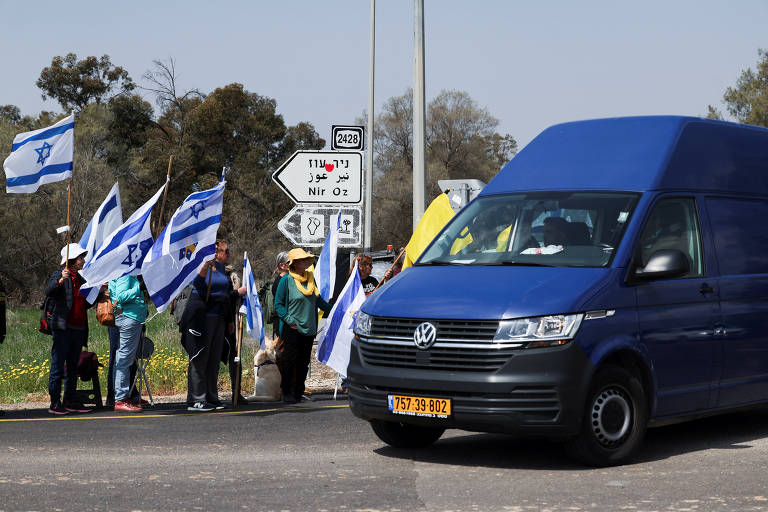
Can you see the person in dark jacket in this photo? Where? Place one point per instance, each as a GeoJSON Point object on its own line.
{"type": "Point", "coordinates": [206, 317]}
{"type": "Point", "coordinates": [69, 327]}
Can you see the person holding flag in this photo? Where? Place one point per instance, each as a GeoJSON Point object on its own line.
{"type": "Point", "coordinates": [296, 302]}
{"type": "Point", "coordinates": [182, 254]}
{"type": "Point", "coordinates": [207, 315]}
{"type": "Point", "coordinates": [69, 328]}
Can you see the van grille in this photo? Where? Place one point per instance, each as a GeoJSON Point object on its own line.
{"type": "Point", "coordinates": [447, 330]}
{"type": "Point", "coordinates": [460, 346]}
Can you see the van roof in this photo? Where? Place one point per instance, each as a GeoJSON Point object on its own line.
{"type": "Point", "coordinates": [639, 154]}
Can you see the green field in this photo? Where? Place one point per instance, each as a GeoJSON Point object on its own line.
{"type": "Point", "coordinates": [25, 358]}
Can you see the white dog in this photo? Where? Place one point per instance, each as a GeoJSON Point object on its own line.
{"type": "Point", "coordinates": [267, 376]}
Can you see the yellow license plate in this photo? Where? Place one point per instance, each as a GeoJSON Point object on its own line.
{"type": "Point", "coordinates": [419, 406]}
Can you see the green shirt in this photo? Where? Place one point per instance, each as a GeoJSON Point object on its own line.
{"type": "Point", "coordinates": [127, 292]}
{"type": "Point", "coordinates": [293, 307]}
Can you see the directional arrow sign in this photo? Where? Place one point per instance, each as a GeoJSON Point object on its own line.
{"type": "Point", "coordinates": [322, 177]}
{"type": "Point", "coordinates": [308, 225]}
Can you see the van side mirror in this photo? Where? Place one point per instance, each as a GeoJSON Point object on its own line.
{"type": "Point", "coordinates": [664, 264]}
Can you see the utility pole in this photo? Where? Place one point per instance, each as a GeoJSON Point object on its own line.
{"type": "Point", "coordinates": [419, 125]}
{"type": "Point", "coordinates": [369, 153]}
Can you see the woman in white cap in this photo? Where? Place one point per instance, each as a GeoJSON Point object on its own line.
{"type": "Point", "coordinates": [69, 327]}
{"type": "Point", "coordinates": [296, 302]}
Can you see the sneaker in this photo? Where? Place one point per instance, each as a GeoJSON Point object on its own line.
{"type": "Point", "coordinates": [218, 404]}
{"type": "Point", "coordinates": [75, 407]}
{"type": "Point", "coordinates": [290, 399]}
{"type": "Point", "coordinates": [56, 408]}
{"type": "Point", "coordinates": [201, 407]}
{"type": "Point", "coordinates": [139, 401]}
{"type": "Point", "coordinates": [126, 406]}
{"type": "Point", "coordinates": [306, 398]}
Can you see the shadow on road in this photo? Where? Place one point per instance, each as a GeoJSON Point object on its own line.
{"type": "Point", "coordinates": [725, 432]}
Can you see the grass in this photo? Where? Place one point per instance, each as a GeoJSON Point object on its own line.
{"type": "Point", "coordinates": [25, 358]}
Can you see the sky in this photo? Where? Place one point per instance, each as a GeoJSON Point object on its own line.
{"type": "Point", "coordinates": [531, 64]}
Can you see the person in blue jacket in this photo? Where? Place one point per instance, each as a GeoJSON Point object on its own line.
{"type": "Point", "coordinates": [130, 312]}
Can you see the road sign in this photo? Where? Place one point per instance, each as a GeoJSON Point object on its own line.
{"type": "Point", "coordinates": [347, 137]}
{"type": "Point", "coordinates": [308, 225]}
{"type": "Point", "coordinates": [322, 177]}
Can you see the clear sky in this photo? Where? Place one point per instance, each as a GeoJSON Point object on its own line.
{"type": "Point", "coordinates": [530, 63]}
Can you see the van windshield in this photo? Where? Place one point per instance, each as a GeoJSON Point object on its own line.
{"type": "Point", "coordinates": [559, 229]}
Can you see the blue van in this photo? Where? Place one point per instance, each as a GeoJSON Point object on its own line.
{"type": "Point", "coordinates": [612, 276]}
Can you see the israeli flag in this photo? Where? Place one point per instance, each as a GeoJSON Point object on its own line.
{"type": "Point", "coordinates": [40, 156]}
{"type": "Point", "coordinates": [325, 268]}
{"type": "Point", "coordinates": [107, 219]}
{"type": "Point", "coordinates": [251, 306]}
{"type": "Point", "coordinates": [122, 252]}
{"type": "Point", "coordinates": [335, 340]}
{"type": "Point", "coordinates": [188, 241]}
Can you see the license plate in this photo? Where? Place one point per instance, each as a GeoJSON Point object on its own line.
{"type": "Point", "coordinates": [419, 406]}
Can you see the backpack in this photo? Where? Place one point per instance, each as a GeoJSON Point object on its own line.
{"type": "Point", "coordinates": [180, 303]}
{"type": "Point", "coordinates": [105, 310]}
{"type": "Point", "coordinates": [267, 301]}
{"type": "Point", "coordinates": [46, 317]}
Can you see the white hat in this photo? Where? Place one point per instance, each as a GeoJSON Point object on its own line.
{"type": "Point", "coordinates": [74, 251]}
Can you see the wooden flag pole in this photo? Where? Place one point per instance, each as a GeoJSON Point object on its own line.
{"type": "Point", "coordinates": [238, 363]}
{"type": "Point", "coordinates": [165, 194]}
{"type": "Point", "coordinates": [390, 268]}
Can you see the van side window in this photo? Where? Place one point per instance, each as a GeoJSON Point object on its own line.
{"type": "Point", "coordinates": [740, 233]}
{"type": "Point", "coordinates": [673, 224]}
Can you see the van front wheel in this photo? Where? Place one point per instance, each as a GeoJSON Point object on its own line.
{"type": "Point", "coordinates": [402, 435]}
{"type": "Point", "coordinates": [614, 421]}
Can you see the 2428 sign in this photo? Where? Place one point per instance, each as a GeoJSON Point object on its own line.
{"type": "Point", "coordinates": [347, 137]}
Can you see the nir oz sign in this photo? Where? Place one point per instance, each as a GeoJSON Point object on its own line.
{"type": "Point", "coordinates": [322, 177]}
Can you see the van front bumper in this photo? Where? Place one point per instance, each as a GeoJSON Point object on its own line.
{"type": "Point", "coordinates": [538, 392]}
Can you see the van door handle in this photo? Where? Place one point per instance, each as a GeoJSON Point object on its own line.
{"type": "Point", "coordinates": [706, 289]}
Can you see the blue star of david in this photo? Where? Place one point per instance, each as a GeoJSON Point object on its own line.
{"type": "Point", "coordinates": [131, 249]}
{"type": "Point", "coordinates": [142, 248]}
{"type": "Point", "coordinates": [197, 208]}
{"type": "Point", "coordinates": [43, 152]}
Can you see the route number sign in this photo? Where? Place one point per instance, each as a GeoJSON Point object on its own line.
{"type": "Point", "coordinates": [347, 138]}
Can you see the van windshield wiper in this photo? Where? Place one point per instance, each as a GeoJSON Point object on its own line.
{"type": "Point", "coordinates": [442, 262]}
{"type": "Point", "coordinates": [513, 263]}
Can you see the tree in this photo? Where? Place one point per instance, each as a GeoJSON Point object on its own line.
{"type": "Point", "coordinates": [461, 143]}
{"type": "Point", "coordinates": [748, 100]}
{"type": "Point", "coordinates": [75, 83]}
{"type": "Point", "coordinates": [10, 113]}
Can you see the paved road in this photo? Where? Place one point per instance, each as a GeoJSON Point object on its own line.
{"type": "Point", "coordinates": [316, 456]}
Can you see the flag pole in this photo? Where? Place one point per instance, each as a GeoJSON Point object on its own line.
{"type": "Point", "coordinates": [165, 194]}
{"type": "Point", "coordinates": [390, 268]}
{"type": "Point", "coordinates": [69, 193]}
{"type": "Point", "coordinates": [238, 364]}
{"type": "Point", "coordinates": [210, 275]}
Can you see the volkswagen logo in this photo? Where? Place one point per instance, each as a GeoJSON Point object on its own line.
{"type": "Point", "coordinates": [424, 336]}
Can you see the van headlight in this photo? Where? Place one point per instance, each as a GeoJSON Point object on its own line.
{"type": "Point", "coordinates": [539, 331]}
{"type": "Point", "coordinates": [363, 324]}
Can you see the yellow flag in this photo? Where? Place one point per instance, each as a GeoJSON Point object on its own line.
{"type": "Point", "coordinates": [435, 217]}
